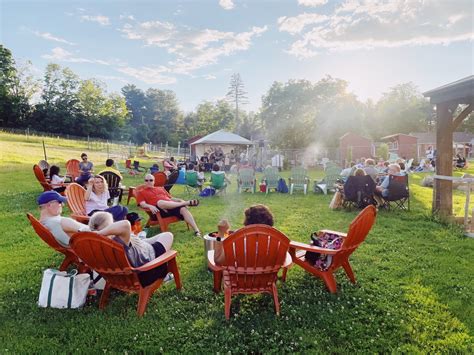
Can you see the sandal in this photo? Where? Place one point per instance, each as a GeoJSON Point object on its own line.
{"type": "Point", "coordinates": [193, 203]}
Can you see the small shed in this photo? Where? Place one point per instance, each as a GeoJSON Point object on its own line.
{"type": "Point", "coordinates": [427, 140]}
{"type": "Point", "coordinates": [353, 146]}
{"type": "Point", "coordinates": [401, 144]}
{"type": "Point", "coordinates": [226, 140]}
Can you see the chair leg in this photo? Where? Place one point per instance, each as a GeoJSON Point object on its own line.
{"type": "Point", "coordinates": [104, 299]}
{"type": "Point", "coordinates": [66, 262]}
{"type": "Point", "coordinates": [227, 301]}
{"type": "Point", "coordinates": [217, 281]}
{"type": "Point", "coordinates": [305, 187]}
{"type": "Point", "coordinates": [283, 275]}
{"type": "Point", "coordinates": [143, 298]}
{"type": "Point", "coordinates": [348, 269]}
{"type": "Point", "coordinates": [291, 189]}
{"type": "Point", "coordinates": [330, 281]}
{"type": "Point", "coordinates": [173, 268]}
{"type": "Point", "coordinates": [275, 299]}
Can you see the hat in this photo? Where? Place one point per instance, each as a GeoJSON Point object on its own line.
{"type": "Point", "coordinates": [49, 196]}
{"type": "Point", "coordinates": [133, 217]}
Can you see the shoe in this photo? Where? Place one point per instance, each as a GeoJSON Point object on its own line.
{"type": "Point", "coordinates": [198, 234]}
{"type": "Point", "coordinates": [193, 203]}
{"type": "Point", "coordinates": [169, 277]}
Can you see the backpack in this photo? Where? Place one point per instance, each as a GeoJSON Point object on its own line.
{"type": "Point", "coordinates": [282, 187]}
{"type": "Point", "coordinates": [208, 192]}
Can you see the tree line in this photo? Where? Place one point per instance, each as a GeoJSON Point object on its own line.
{"type": "Point", "coordinates": [294, 114]}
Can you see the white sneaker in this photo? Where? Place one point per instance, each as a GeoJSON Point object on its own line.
{"type": "Point", "coordinates": [169, 277]}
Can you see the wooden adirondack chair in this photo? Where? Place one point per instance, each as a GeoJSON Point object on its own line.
{"type": "Point", "coordinates": [114, 184]}
{"type": "Point", "coordinates": [72, 169]}
{"type": "Point", "coordinates": [271, 178]}
{"type": "Point", "coordinates": [108, 258]}
{"type": "Point", "coordinates": [253, 257]}
{"type": "Point", "coordinates": [298, 180]}
{"type": "Point", "coordinates": [41, 178]}
{"type": "Point", "coordinates": [160, 180]}
{"type": "Point", "coordinates": [246, 180]}
{"type": "Point", "coordinates": [76, 202]}
{"type": "Point", "coordinates": [48, 238]}
{"type": "Point", "coordinates": [358, 230]}
{"type": "Point", "coordinates": [333, 173]}
{"type": "Point", "coordinates": [218, 183]}
{"type": "Point", "coordinates": [44, 165]}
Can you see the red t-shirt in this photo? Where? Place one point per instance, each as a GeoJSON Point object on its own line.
{"type": "Point", "coordinates": [151, 196]}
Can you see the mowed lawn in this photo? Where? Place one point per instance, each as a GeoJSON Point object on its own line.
{"type": "Point", "coordinates": [414, 292]}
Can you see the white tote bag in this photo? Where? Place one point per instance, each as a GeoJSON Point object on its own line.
{"type": "Point", "coordinates": [60, 289]}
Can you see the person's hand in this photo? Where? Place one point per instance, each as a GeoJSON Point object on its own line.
{"type": "Point", "coordinates": [90, 182]}
{"type": "Point", "coordinates": [153, 209]}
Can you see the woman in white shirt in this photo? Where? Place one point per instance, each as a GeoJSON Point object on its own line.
{"type": "Point", "coordinates": [57, 181]}
{"type": "Point", "coordinates": [97, 195]}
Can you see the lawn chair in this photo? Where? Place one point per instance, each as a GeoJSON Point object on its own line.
{"type": "Point", "coordinates": [271, 178]}
{"type": "Point", "coordinates": [76, 202]}
{"type": "Point", "coordinates": [218, 183]}
{"type": "Point", "coordinates": [253, 257]}
{"type": "Point", "coordinates": [115, 186]}
{"type": "Point", "coordinates": [358, 230]}
{"type": "Point", "coordinates": [408, 166]}
{"type": "Point", "coordinates": [108, 258]}
{"type": "Point", "coordinates": [44, 165]}
{"type": "Point", "coordinates": [192, 186]}
{"type": "Point", "coordinates": [156, 219]}
{"type": "Point", "coordinates": [398, 193]}
{"type": "Point", "coordinates": [139, 169]}
{"type": "Point", "coordinates": [333, 173]}
{"type": "Point", "coordinates": [130, 169]}
{"type": "Point", "coordinates": [246, 180]}
{"type": "Point", "coordinates": [42, 179]}
{"type": "Point", "coordinates": [160, 180]}
{"type": "Point", "coordinates": [120, 169]}
{"type": "Point", "coordinates": [72, 169]}
{"type": "Point", "coordinates": [69, 257]}
{"type": "Point", "coordinates": [358, 192]}
{"type": "Point", "coordinates": [298, 180]}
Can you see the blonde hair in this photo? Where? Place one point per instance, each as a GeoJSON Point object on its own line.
{"type": "Point", "coordinates": [359, 172]}
{"type": "Point", "coordinates": [106, 186]}
{"type": "Point", "coordinates": [100, 220]}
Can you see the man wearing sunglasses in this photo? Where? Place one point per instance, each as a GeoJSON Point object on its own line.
{"type": "Point", "coordinates": [156, 198]}
{"type": "Point", "coordinates": [51, 206]}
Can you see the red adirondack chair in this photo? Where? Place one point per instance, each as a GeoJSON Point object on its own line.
{"type": "Point", "coordinates": [358, 230]}
{"type": "Point", "coordinates": [48, 238]}
{"type": "Point", "coordinates": [253, 257]}
{"type": "Point", "coordinates": [108, 258]}
{"type": "Point", "coordinates": [72, 169]}
{"type": "Point", "coordinates": [42, 179]}
{"type": "Point", "coordinates": [76, 202]}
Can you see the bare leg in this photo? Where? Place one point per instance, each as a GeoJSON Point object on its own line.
{"type": "Point", "coordinates": [168, 205]}
{"type": "Point", "coordinates": [166, 239]}
{"type": "Point", "coordinates": [188, 217]}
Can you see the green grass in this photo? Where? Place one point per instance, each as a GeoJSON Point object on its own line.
{"type": "Point", "coordinates": [414, 291]}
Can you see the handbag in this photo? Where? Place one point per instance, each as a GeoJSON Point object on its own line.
{"type": "Point", "coordinates": [60, 289]}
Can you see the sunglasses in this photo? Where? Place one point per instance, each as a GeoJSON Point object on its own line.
{"type": "Point", "coordinates": [146, 180]}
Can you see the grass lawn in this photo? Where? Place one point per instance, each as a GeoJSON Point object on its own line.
{"type": "Point", "coordinates": [414, 291]}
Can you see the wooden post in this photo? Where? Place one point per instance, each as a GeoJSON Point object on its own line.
{"type": "Point", "coordinates": [443, 196]}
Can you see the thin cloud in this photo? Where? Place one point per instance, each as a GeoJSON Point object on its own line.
{"type": "Point", "coordinates": [62, 55]}
{"type": "Point", "coordinates": [312, 3]}
{"type": "Point", "coordinates": [48, 36]}
{"type": "Point", "coordinates": [102, 20]}
{"type": "Point", "coordinates": [226, 4]}
{"type": "Point", "coordinates": [149, 75]}
{"type": "Point", "coordinates": [366, 24]}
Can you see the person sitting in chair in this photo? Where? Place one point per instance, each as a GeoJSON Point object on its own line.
{"type": "Point", "coordinates": [57, 181]}
{"type": "Point", "coordinates": [86, 169]}
{"type": "Point", "coordinates": [459, 161]}
{"type": "Point", "coordinates": [109, 163]}
{"type": "Point", "coordinates": [382, 189]}
{"type": "Point", "coordinates": [157, 199]}
{"type": "Point", "coordinates": [51, 206]}
{"type": "Point", "coordinates": [97, 196]}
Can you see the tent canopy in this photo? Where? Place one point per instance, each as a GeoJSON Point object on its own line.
{"type": "Point", "coordinates": [223, 137]}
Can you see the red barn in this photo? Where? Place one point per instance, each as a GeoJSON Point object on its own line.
{"type": "Point", "coordinates": [404, 145]}
{"type": "Point", "coordinates": [353, 146]}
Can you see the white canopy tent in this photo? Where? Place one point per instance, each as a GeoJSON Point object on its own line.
{"type": "Point", "coordinates": [226, 140]}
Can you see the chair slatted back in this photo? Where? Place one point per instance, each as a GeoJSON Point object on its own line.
{"type": "Point", "coordinates": [253, 256]}
{"type": "Point", "coordinates": [107, 257]}
{"type": "Point", "coordinates": [41, 178]}
{"type": "Point", "coordinates": [299, 176]}
{"type": "Point", "coordinates": [332, 174]}
{"type": "Point", "coordinates": [44, 165]}
{"type": "Point", "coordinates": [128, 164]}
{"type": "Point", "coordinates": [113, 183]}
{"type": "Point", "coordinates": [45, 234]}
{"type": "Point", "coordinates": [72, 168]}
{"type": "Point", "coordinates": [358, 231]}
{"type": "Point", "coordinates": [271, 177]}
{"type": "Point", "coordinates": [160, 179]}
{"type": "Point", "coordinates": [191, 178]}
{"type": "Point", "coordinates": [246, 178]}
{"type": "Point", "coordinates": [76, 201]}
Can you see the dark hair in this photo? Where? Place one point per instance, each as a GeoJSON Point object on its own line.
{"type": "Point", "coordinates": [109, 162]}
{"type": "Point", "coordinates": [258, 214]}
{"type": "Point", "coordinates": [215, 167]}
{"type": "Point", "coordinates": [83, 155]}
{"type": "Point", "coordinates": [191, 166]}
{"type": "Point", "coordinates": [402, 165]}
{"type": "Point", "coordinates": [53, 170]}
{"type": "Point", "coordinates": [172, 159]}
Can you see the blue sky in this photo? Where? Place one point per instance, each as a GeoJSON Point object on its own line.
{"type": "Point", "coordinates": [193, 47]}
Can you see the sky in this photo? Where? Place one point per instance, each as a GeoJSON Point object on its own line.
{"type": "Point", "coordinates": [193, 47]}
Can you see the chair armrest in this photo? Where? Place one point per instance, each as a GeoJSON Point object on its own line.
{"type": "Point", "coordinates": [341, 234]}
{"type": "Point", "coordinates": [288, 260]}
{"type": "Point", "coordinates": [162, 259]}
{"type": "Point", "coordinates": [303, 246]}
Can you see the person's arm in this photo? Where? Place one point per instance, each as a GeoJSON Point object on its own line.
{"type": "Point", "coordinates": [143, 203]}
{"type": "Point", "coordinates": [121, 229]}
{"type": "Point", "coordinates": [70, 226]}
{"type": "Point", "coordinates": [90, 183]}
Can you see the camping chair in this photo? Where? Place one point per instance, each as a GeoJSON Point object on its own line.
{"type": "Point", "coordinates": [108, 258]}
{"type": "Point", "coordinates": [76, 202]}
{"type": "Point", "coordinates": [271, 178]}
{"type": "Point", "coordinates": [408, 166]}
{"type": "Point", "coordinates": [333, 173]}
{"type": "Point", "coordinates": [72, 169]}
{"type": "Point", "coordinates": [358, 230]}
{"type": "Point", "coordinates": [69, 257]}
{"type": "Point", "coordinates": [138, 168]}
{"type": "Point", "coordinates": [155, 218]}
{"type": "Point", "coordinates": [218, 183]}
{"type": "Point", "coordinates": [358, 191]}
{"type": "Point", "coordinates": [298, 179]}
{"type": "Point", "coordinates": [192, 186]}
{"type": "Point", "coordinates": [398, 193]}
{"type": "Point", "coordinates": [246, 180]}
{"type": "Point", "coordinates": [253, 257]}
{"type": "Point", "coordinates": [120, 169]}
{"type": "Point", "coordinates": [114, 183]}
{"type": "Point", "coordinates": [42, 179]}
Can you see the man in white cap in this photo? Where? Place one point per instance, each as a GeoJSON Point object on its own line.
{"type": "Point", "coordinates": [51, 206]}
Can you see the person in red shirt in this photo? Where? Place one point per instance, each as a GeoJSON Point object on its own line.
{"type": "Point", "coordinates": [156, 198]}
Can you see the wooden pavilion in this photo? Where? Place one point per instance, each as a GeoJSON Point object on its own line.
{"type": "Point", "coordinates": [447, 98]}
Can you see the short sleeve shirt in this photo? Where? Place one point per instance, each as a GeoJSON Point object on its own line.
{"type": "Point", "coordinates": [86, 167]}
{"type": "Point", "coordinates": [151, 196]}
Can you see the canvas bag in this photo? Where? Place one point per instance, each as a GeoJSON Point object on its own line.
{"type": "Point", "coordinates": [60, 289]}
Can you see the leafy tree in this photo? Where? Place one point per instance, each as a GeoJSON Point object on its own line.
{"type": "Point", "coordinates": [237, 94]}
{"type": "Point", "coordinates": [249, 125]}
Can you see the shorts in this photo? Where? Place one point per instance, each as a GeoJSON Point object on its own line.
{"type": "Point", "coordinates": [148, 277]}
{"type": "Point", "coordinates": [173, 212]}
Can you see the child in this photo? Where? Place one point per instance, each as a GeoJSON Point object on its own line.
{"type": "Point", "coordinates": [57, 181]}
{"type": "Point", "coordinates": [223, 228]}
